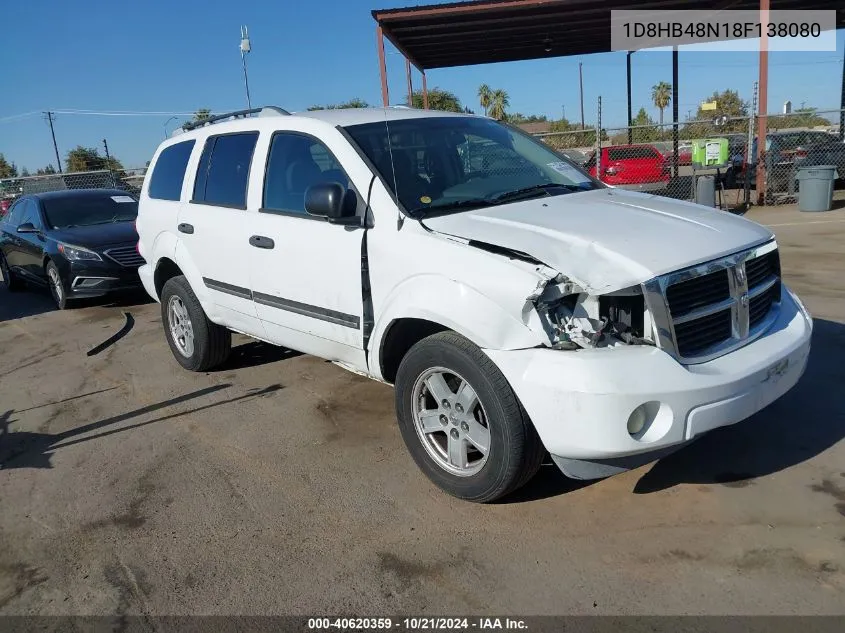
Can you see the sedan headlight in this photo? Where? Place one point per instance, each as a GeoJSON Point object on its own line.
{"type": "Point", "coordinates": [78, 254]}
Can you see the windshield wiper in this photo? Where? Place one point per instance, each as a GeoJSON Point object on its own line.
{"type": "Point", "coordinates": [541, 188]}
{"type": "Point", "coordinates": [472, 203]}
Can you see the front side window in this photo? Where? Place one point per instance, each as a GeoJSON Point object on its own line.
{"type": "Point", "coordinates": [223, 171]}
{"type": "Point", "coordinates": [295, 163]}
{"type": "Point", "coordinates": [89, 209]}
{"type": "Point", "coordinates": [447, 164]}
{"type": "Point", "coordinates": [169, 171]}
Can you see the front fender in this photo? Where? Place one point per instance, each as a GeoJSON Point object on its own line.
{"type": "Point", "coordinates": [457, 306]}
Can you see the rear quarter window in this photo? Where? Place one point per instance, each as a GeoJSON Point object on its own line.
{"type": "Point", "coordinates": [169, 171]}
{"type": "Point", "coordinates": [623, 153]}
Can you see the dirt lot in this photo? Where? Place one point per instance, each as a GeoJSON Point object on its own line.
{"type": "Point", "coordinates": [280, 484]}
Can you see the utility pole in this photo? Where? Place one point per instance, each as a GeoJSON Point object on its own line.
{"type": "Point", "coordinates": [245, 48]}
{"type": "Point", "coordinates": [563, 110]}
{"type": "Point", "coordinates": [581, 86]}
{"type": "Point", "coordinates": [108, 162]}
{"type": "Point", "coordinates": [53, 134]}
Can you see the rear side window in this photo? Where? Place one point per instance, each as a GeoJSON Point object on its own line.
{"type": "Point", "coordinates": [622, 153]}
{"type": "Point", "coordinates": [169, 171]}
{"type": "Point", "coordinates": [223, 171]}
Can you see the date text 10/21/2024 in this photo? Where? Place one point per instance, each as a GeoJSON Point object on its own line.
{"type": "Point", "coordinates": [417, 624]}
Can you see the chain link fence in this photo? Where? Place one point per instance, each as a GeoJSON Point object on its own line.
{"type": "Point", "coordinates": [642, 157]}
{"type": "Point", "coordinates": [129, 180]}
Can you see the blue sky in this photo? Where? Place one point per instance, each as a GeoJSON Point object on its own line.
{"type": "Point", "coordinates": [181, 55]}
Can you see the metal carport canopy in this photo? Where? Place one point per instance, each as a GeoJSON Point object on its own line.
{"type": "Point", "coordinates": [486, 31]}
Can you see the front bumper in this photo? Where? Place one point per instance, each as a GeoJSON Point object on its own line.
{"type": "Point", "coordinates": [94, 279]}
{"type": "Point", "coordinates": [580, 401]}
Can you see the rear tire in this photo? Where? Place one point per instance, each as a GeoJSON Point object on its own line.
{"type": "Point", "coordinates": [473, 439]}
{"type": "Point", "coordinates": [57, 286]}
{"type": "Point", "coordinates": [196, 342]}
{"type": "Point", "coordinates": [12, 283]}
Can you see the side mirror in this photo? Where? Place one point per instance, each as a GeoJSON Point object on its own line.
{"type": "Point", "coordinates": [28, 227]}
{"type": "Point", "coordinates": [332, 201]}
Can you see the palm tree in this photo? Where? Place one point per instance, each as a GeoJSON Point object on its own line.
{"type": "Point", "coordinates": [484, 96]}
{"type": "Point", "coordinates": [498, 104]}
{"type": "Point", "coordinates": [661, 95]}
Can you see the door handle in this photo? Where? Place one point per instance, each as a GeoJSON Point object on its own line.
{"type": "Point", "coordinates": [186, 228]}
{"type": "Point", "coordinates": [259, 241]}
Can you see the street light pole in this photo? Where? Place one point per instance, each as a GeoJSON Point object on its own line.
{"type": "Point", "coordinates": [245, 48]}
{"type": "Point", "coordinates": [165, 125]}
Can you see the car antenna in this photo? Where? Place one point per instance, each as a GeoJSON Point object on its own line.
{"type": "Point", "coordinates": [400, 218]}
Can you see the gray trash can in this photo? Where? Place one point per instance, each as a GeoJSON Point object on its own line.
{"type": "Point", "coordinates": [815, 187]}
{"type": "Point", "coordinates": [705, 191]}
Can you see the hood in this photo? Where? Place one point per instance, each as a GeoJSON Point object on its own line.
{"type": "Point", "coordinates": [98, 235]}
{"type": "Point", "coordinates": [607, 239]}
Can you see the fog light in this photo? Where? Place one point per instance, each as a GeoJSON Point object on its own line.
{"type": "Point", "coordinates": [637, 420]}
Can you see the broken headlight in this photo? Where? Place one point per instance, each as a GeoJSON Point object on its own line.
{"type": "Point", "coordinates": [579, 320]}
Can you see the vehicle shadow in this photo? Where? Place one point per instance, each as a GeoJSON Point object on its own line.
{"type": "Point", "coordinates": [797, 427]}
{"type": "Point", "coordinates": [26, 449]}
{"type": "Point", "coordinates": [34, 300]}
{"type": "Point", "coordinates": [17, 305]}
{"type": "Point", "coordinates": [253, 354]}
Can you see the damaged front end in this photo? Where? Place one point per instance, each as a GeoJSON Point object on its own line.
{"type": "Point", "coordinates": [575, 319]}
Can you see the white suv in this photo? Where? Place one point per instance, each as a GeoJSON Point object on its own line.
{"type": "Point", "coordinates": [517, 305]}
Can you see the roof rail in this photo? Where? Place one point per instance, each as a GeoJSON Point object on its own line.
{"type": "Point", "coordinates": [265, 111]}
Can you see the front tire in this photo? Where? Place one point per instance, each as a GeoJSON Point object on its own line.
{"type": "Point", "coordinates": [462, 422]}
{"type": "Point", "coordinates": [196, 342]}
{"type": "Point", "coordinates": [57, 286]}
{"type": "Point", "coordinates": [12, 283]}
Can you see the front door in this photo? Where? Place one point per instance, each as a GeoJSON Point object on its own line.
{"type": "Point", "coordinates": [306, 273]}
{"type": "Point", "coordinates": [31, 245]}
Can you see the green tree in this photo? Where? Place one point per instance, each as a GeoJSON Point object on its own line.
{"type": "Point", "coordinates": [89, 159]}
{"type": "Point", "coordinates": [729, 104]}
{"type": "Point", "coordinates": [352, 103]}
{"type": "Point", "coordinates": [661, 95]}
{"type": "Point", "coordinates": [7, 169]}
{"type": "Point", "coordinates": [437, 100]}
{"type": "Point", "coordinates": [800, 118]}
{"type": "Point", "coordinates": [644, 129]}
{"type": "Point", "coordinates": [499, 102]}
{"type": "Point", "coordinates": [25, 172]}
{"type": "Point", "coordinates": [45, 171]}
{"type": "Point", "coordinates": [518, 117]}
{"type": "Point", "coordinates": [203, 114]}
{"type": "Point", "coordinates": [485, 96]}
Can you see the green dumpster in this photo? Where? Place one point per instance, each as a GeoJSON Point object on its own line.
{"type": "Point", "coordinates": [815, 187]}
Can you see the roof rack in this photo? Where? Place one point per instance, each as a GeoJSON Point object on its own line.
{"type": "Point", "coordinates": [265, 111]}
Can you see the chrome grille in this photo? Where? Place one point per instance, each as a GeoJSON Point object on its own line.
{"type": "Point", "coordinates": [705, 311]}
{"type": "Point", "coordinates": [125, 256]}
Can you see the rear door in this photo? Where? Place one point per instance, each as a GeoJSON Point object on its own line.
{"type": "Point", "coordinates": [214, 230]}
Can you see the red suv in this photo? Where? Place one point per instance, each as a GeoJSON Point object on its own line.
{"type": "Point", "coordinates": [636, 167]}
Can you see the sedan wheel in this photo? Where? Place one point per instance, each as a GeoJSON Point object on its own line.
{"type": "Point", "coordinates": [57, 288]}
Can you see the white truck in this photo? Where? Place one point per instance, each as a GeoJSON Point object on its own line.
{"type": "Point", "coordinates": [518, 306]}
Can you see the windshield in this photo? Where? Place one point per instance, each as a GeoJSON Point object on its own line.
{"type": "Point", "coordinates": [89, 209]}
{"type": "Point", "coordinates": [448, 164]}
